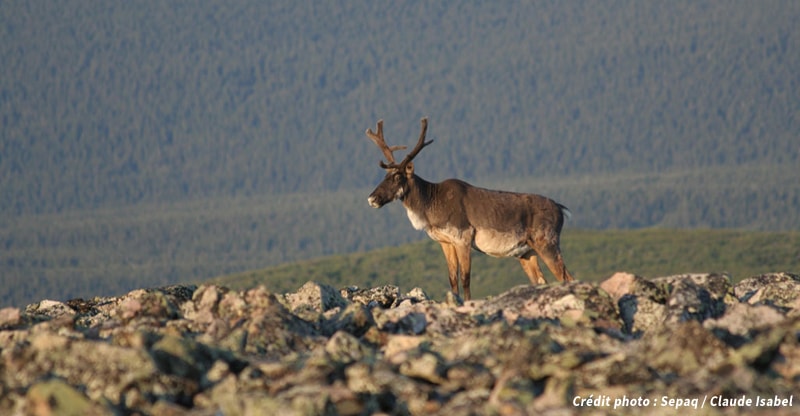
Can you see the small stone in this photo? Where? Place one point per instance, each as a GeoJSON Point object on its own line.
{"type": "Point", "coordinates": [619, 284]}
{"type": "Point", "coordinates": [416, 295]}
{"type": "Point", "coordinates": [345, 348]}
{"type": "Point", "coordinates": [49, 309]}
{"type": "Point", "coordinates": [218, 371]}
{"type": "Point", "coordinates": [10, 317]}
{"type": "Point", "coordinates": [382, 296]}
{"type": "Point", "coordinates": [316, 296]}
{"type": "Point", "coordinates": [425, 366]}
{"type": "Point", "coordinates": [356, 319]}
{"type": "Point", "coordinates": [397, 344]}
{"type": "Point", "coordinates": [55, 397]}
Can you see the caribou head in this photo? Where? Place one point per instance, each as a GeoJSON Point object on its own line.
{"type": "Point", "coordinates": [399, 176]}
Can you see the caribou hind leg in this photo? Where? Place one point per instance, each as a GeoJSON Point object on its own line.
{"type": "Point", "coordinates": [545, 243]}
{"type": "Point", "coordinates": [551, 255]}
{"type": "Point", "coordinates": [530, 265]}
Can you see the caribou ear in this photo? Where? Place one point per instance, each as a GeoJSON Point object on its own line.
{"type": "Point", "coordinates": [410, 169]}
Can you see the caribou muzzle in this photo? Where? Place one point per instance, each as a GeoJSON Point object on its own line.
{"type": "Point", "coordinates": [381, 196]}
{"type": "Point", "coordinates": [373, 202]}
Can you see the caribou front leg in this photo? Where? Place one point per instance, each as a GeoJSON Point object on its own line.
{"type": "Point", "coordinates": [452, 265]}
{"type": "Point", "coordinates": [464, 253]}
{"type": "Point", "coordinates": [459, 261]}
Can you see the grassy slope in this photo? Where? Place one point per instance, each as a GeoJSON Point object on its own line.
{"type": "Point", "coordinates": [590, 255]}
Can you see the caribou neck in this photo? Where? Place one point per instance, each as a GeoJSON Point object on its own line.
{"type": "Point", "coordinates": [420, 193]}
{"type": "Point", "coordinates": [418, 201]}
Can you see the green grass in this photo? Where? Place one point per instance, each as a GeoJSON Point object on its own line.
{"type": "Point", "coordinates": [590, 255]}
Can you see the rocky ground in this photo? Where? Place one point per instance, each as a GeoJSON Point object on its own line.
{"type": "Point", "coordinates": [691, 344]}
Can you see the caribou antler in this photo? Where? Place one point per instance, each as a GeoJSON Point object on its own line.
{"type": "Point", "coordinates": [377, 138]}
{"type": "Point", "coordinates": [388, 151]}
{"type": "Point", "coordinates": [420, 144]}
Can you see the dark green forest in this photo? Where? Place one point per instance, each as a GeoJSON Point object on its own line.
{"type": "Point", "coordinates": [150, 143]}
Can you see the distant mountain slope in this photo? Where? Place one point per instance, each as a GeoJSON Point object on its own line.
{"type": "Point", "coordinates": [159, 142]}
{"type": "Point", "coordinates": [119, 103]}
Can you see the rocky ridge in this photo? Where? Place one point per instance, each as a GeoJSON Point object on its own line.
{"type": "Point", "coordinates": [693, 341]}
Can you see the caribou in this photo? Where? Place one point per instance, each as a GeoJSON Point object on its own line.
{"type": "Point", "coordinates": [462, 217]}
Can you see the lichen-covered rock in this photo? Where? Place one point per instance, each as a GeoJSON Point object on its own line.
{"type": "Point", "coordinates": [345, 348]}
{"type": "Point", "coordinates": [777, 289]}
{"type": "Point", "coordinates": [648, 304]}
{"type": "Point", "coordinates": [415, 295]}
{"type": "Point", "coordinates": [641, 313]}
{"type": "Point", "coordinates": [718, 285]}
{"type": "Point", "coordinates": [577, 302]}
{"type": "Point", "coordinates": [683, 348]}
{"type": "Point", "coordinates": [743, 319]}
{"type": "Point", "coordinates": [424, 365]}
{"type": "Point", "coordinates": [533, 349]}
{"type": "Point", "coordinates": [382, 296]}
{"type": "Point", "coordinates": [642, 303]}
{"type": "Point", "coordinates": [622, 284]}
{"type": "Point", "coordinates": [691, 301]}
{"type": "Point", "coordinates": [48, 309]}
{"type": "Point", "coordinates": [315, 296]}
{"type": "Point", "coordinates": [355, 319]}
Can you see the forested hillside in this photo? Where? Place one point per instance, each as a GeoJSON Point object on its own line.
{"type": "Point", "coordinates": [119, 102]}
{"type": "Point", "coordinates": [167, 141]}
